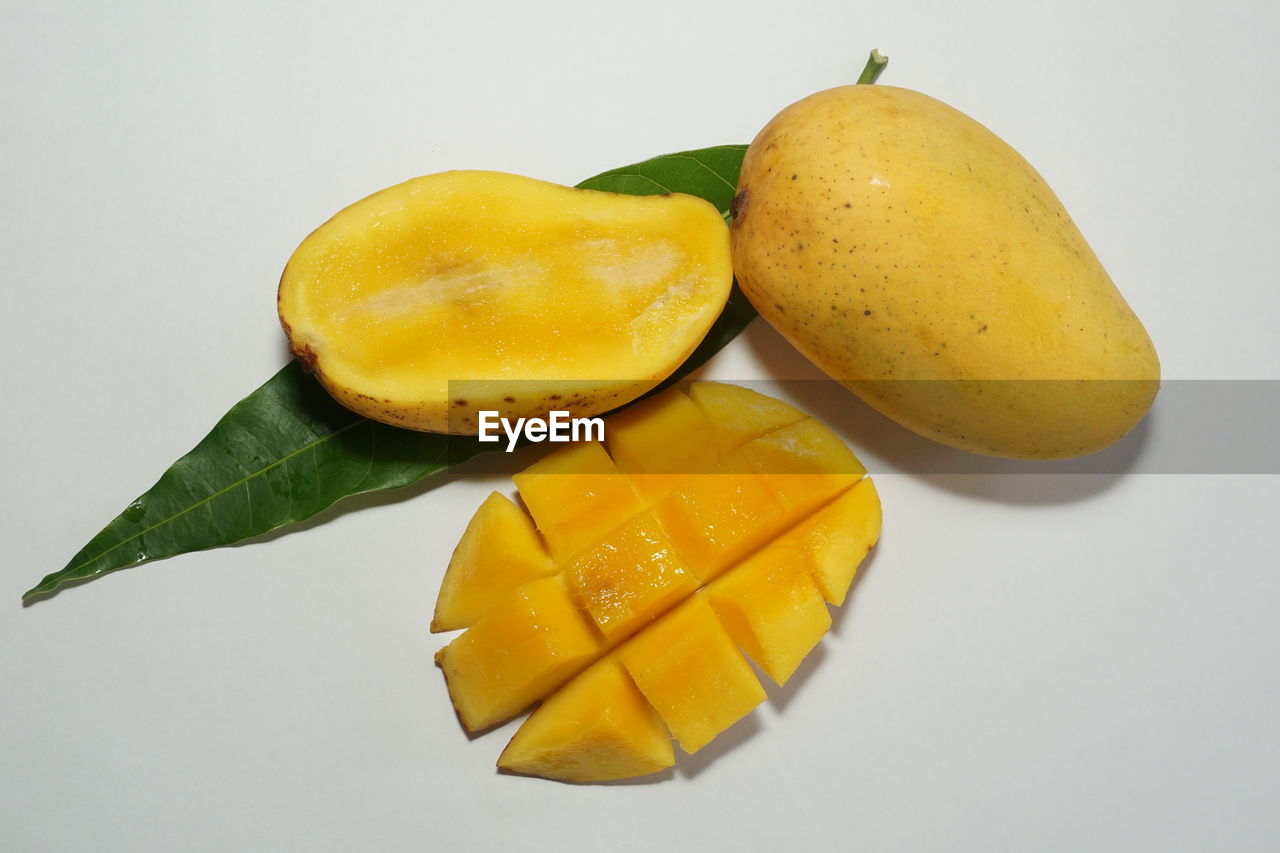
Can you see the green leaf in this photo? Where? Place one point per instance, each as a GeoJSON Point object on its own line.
{"type": "Point", "coordinates": [288, 450]}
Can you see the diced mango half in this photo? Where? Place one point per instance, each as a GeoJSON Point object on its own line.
{"type": "Point", "coordinates": [692, 674]}
{"type": "Point", "coordinates": [499, 551]}
{"type": "Point", "coordinates": [714, 521]}
{"type": "Point", "coordinates": [522, 649]}
{"type": "Point", "coordinates": [598, 727]}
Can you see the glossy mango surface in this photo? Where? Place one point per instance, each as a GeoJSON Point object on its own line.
{"type": "Point", "coordinates": [460, 292]}
{"type": "Point", "coordinates": [708, 525]}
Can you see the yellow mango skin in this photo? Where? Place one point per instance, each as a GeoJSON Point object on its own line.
{"type": "Point", "coordinates": [923, 263]}
{"type": "Point", "coordinates": [453, 293]}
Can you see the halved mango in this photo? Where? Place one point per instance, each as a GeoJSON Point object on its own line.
{"type": "Point", "coordinates": [549, 297]}
{"type": "Point", "coordinates": [669, 587]}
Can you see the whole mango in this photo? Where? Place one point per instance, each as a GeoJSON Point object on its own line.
{"type": "Point", "coordinates": [919, 260]}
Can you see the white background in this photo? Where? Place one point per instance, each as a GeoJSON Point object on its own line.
{"type": "Point", "coordinates": [1049, 662]}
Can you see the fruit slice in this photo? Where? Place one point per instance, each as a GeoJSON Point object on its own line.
{"type": "Point", "coordinates": [739, 414]}
{"type": "Point", "coordinates": [806, 462]}
{"type": "Point", "coordinates": [772, 608]}
{"type": "Point", "coordinates": [688, 668]}
{"type": "Point", "coordinates": [669, 586]}
{"type": "Point", "coordinates": [499, 551]}
{"type": "Point", "coordinates": [598, 727]}
{"type": "Point", "coordinates": [716, 519]}
{"type": "Point", "coordinates": [659, 442]}
{"type": "Point", "coordinates": [630, 578]}
{"type": "Point", "coordinates": [524, 647]}
{"type": "Point", "coordinates": [838, 537]}
{"type": "Point", "coordinates": [548, 297]}
{"type": "Point", "coordinates": [576, 495]}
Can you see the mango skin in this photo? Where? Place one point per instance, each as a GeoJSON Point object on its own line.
{"type": "Point", "coordinates": [920, 261]}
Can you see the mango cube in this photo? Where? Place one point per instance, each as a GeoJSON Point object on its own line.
{"type": "Point", "coordinates": [806, 462]}
{"type": "Point", "coordinates": [499, 550]}
{"type": "Point", "coordinates": [739, 414]}
{"type": "Point", "coordinates": [630, 578]}
{"type": "Point", "coordinates": [692, 674]}
{"type": "Point", "coordinates": [659, 442]}
{"type": "Point", "coordinates": [576, 495]}
{"type": "Point", "coordinates": [772, 608]}
{"type": "Point", "coordinates": [524, 647]}
{"type": "Point", "coordinates": [839, 536]}
{"type": "Point", "coordinates": [716, 519]}
{"type": "Point", "coordinates": [596, 728]}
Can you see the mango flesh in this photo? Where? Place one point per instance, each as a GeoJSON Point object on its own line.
{"type": "Point", "coordinates": [598, 728]}
{"type": "Point", "coordinates": [663, 592]}
{"type": "Point", "coordinates": [499, 551]}
{"type": "Point", "coordinates": [454, 293]}
{"type": "Point", "coordinates": [917, 259]}
{"type": "Point", "coordinates": [525, 646]}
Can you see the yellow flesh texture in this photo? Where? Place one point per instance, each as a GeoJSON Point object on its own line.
{"type": "Point", "coordinates": [507, 287]}
{"type": "Point", "coordinates": [665, 589]}
{"type": "Point", "coordinates": [499, 551]}
{"type": "Point", "coordinates": [919, 260]}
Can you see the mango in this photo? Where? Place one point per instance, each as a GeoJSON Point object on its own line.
{"type": "Point", "coordinates": [920, 261]}
{"type": "Point", "coordinates": [707, 525]}
{"type": "Point", "coordinates": [597, 729]}
{"type": "Point", "coordinates": [467, 291]}
{"type": "Point", "coordinates": [499, 551]}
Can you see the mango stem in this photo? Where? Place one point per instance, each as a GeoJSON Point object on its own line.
{"type": "Point", "coordinates": [874, 66]}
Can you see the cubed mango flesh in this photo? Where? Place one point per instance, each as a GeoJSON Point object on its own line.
{"type": "Point", "coordinates": [576, 495]}
{"type": "Point", "coordinates": [596, 728]}
{"type": "Point", "coordinates": [522, 649]}
{"type": "Point", "coordinates": [660, 441]}
{"type": "Point", "coordinates": [629, 579]}
{"type": "Point", "coordinates": [772, 608]}
{"type": "Point", "coordinates": [688, 668]}
{"type": "Point", "coordinates": [499, 550]}
{"type": "Point", "coordinates": [839, 536]}
{"type": "Point", "coordinates": [721, 521]}
{"type": "Point", "coordinates": [740, 414]}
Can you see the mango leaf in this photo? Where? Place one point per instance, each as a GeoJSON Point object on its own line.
{"type": "Point", "coordinates": [288, 450]}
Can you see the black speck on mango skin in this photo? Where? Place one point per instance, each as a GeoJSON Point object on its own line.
{"type": "Point", "coordinates": [891, 237]}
